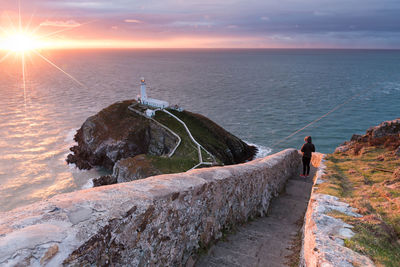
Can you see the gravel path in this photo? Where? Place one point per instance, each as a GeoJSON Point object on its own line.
{"type": "Point", "coordinates": [265, 241]}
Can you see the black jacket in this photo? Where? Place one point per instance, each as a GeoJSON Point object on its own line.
{"type": "Point", "coordinates": [307, 148]}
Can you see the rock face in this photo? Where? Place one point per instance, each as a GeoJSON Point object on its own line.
{"type": "Point", "coordinates": [387, 134]}
{"type": "Point", "coordinates": [135, 168]}
{"type": "Point", "coordinates": [159, 221]}
{"type": "Point", "coordinates": [104, 180]}
{"type": "Point", "coordinates": [116, 133]}
{"type": "Point", "coordinates": [384, 129]}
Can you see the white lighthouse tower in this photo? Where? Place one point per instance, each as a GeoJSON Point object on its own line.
{"type": "Point", "coordinates": [151, 102]}
{"type": "Point", "coordinates": [143, 95]}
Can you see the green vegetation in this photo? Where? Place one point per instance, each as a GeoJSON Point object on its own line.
{"type": "Point", "coordinates": [173, 164]}
{"type": "Point", "coordinates": [202, 133]}
{"type": "Point", "coordinates": [215, 139]}
{"type": "Point", "coordinates": [366, 181]}
{"type": "Point", "coordinates": [224, 147]}
{"type": "Point", "coordinates": [185, 156]}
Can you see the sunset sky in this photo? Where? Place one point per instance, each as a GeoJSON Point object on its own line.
{"type": "Point", "coordinates": [207, 23]}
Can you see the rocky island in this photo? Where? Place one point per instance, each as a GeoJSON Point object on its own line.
{"type": "Point", "coordinates": [123, 139]}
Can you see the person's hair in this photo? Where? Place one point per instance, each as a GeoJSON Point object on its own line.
{"type": "Point", "coordinates": [307, 139]}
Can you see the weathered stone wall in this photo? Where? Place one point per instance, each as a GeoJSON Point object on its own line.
{"type": "Point", "coordinates": [158, 221]}
{"type": "Point", "coordinates": [323, 235]}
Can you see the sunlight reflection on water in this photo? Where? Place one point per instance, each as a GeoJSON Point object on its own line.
{"type": "Point", "coordinates": [260, 96]}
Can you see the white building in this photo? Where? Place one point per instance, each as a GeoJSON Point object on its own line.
{"type": "Point", "coordinates": [143, 99]}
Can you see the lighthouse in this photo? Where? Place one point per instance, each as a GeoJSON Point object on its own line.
{"type": "Point", "coordinates": [151, 102]}
{"type": "Point", "coordinates": [143, 95]}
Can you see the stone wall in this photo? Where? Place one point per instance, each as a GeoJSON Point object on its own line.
{"type": "Point", "coordinates": [323, 235]}
{"type": "Point", "coordinates": [159, 221]}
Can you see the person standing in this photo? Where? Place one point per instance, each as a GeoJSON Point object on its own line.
{"type": "Point", "coordinates": [307, 150]}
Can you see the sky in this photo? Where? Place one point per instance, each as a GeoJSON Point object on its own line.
{"type": "Point", "coordinates": [208, 23]}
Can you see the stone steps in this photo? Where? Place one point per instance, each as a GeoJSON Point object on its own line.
{"type": "Point", "coordinates": [265, 241]}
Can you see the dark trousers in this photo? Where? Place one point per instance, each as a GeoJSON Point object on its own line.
{"type": "Point", "coordinates": [306, 166]}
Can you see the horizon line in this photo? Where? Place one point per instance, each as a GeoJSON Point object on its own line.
{"type": "Point", "coordinates": [209, 48]}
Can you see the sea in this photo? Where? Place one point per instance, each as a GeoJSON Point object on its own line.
{"type": "Point", "coordinates": [261, 96]}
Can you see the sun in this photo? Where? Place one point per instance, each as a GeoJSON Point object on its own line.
{"type": "Point", "coordinates": [20, 42]}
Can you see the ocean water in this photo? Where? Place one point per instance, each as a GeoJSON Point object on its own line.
{"type": "Point", "coordinates": [261, 96]}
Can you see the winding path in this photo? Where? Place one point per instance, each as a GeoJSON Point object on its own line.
{"type": "Point", "coordinates": [265, 241]}
{"type": "Point", "coordinates": [199, 146]}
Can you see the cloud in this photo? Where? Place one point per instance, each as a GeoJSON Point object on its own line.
{"type": "Point", "coordinates": [319, 22]}
{"type": "Point", "coordinates": [68, 23]}
{"type": "Point", "coordinates": [133, 21]}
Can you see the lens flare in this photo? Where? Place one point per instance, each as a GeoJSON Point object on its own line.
{"type": "Point", "coordinates": [20, 42]}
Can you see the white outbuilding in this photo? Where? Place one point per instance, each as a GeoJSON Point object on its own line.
{"type": "Point", "coordinates": [150, 113]}
{"type": "Point", "coordinates": [143, 99]}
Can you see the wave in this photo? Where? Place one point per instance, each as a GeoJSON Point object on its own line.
{"type": "Point", "coordinates": [69, 138]}
{"type": "Point", "coordinates": [88, 185]}
{"type": "Point", "coordinates": [262, 151]}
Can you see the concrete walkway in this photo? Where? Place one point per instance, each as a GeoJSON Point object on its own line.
{"type": "Point", "coordinates": [265, 241]}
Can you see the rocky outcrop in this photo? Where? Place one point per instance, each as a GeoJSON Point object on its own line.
{"type": "Point", "coordinates": [135, 168]}
{"type": "Point", "coordinates": [104, 180]}
{"type": "Point", "coordinates": [116, 133]}
{"type": "Point", "coordinates": [158, 221]}
{"type": "Point", "coordinates": [384, 129]}
{"type": "Point", "coordinates": [387, 134]}
{"type": "Point", "coordinates": [120, 138]}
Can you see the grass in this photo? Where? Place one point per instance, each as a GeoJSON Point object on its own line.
{"type": "Point", "coordinates": [187, 148]}
{"type": "Point", "coordinates": [173, 164]}
{"type": "Point", "coordinates": [214, 138]}
{"type": "Point", "coordinates": [366, 182]}
{"type": "Point", "coordinates": [185, 156]}
{"type": "Point", "coordinates": [202, 134]}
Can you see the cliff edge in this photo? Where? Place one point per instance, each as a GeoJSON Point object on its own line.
{"type": "Point", "coordinates": [353, 214]}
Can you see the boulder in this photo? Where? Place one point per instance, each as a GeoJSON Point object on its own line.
{"type": "Point", "coordinates": [104, 180]}
{"type": "Point", "coordinates": [342, 149]}
{"type": "Point", "coordinates": [384, 129]}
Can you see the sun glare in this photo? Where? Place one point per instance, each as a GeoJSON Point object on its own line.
{"type": "Point", "coordinates": [20, 42]}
